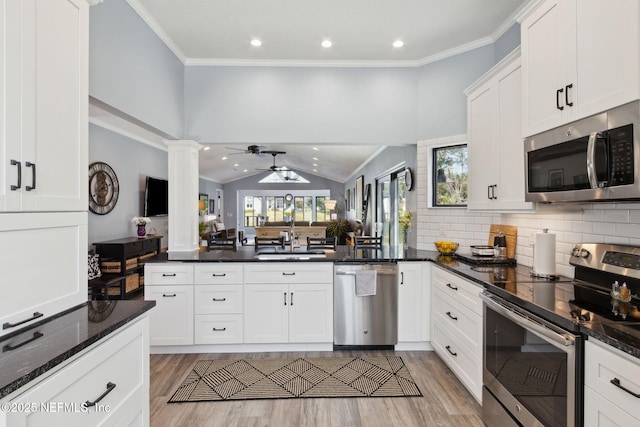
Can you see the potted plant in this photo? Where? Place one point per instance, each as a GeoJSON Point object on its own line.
{"type": "Point", "coordinates": [338, 228]}
{"type": "Point", "coordinates": [203, 231]}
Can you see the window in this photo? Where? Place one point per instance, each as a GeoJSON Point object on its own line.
{"type": "Point", "coordinates": [303, 206]}
{"type": "Point", "coordinates": [275, 208]}
{"type": "Point", "coordinates": [392, 202]}
{"type": "Point", "coordinates": [322, 213]}
{"type": "Point", "coordinates": [258, 209]}
{"type": "Point", "coordinates": [450, 176]}
{"type": "Point", "coordinates": [252, 210]}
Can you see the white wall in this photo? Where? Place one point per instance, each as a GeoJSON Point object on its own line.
{"type": "Point", "coordinates": [598, 222]}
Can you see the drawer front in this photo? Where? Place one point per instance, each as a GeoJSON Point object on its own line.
{"type": "Point", "coordinates": [218, 299]}
{"type": "Point", "coordinates": [118, 364]}
{"type": "Point", "coordinates": [218, 329]}
{"type": "Point", "coordinates": [465, 324]}
{"type": "Point", "coordinates": [218, 274]}
{"type": "Point", "coordinates": [291, 272]}
{"type": "Point", "coordinates": [603, 364]}
{"type": "Point", "coordinates": [459, 289]}
{"type": "Point", "coordinates": [168, 274]}
{"type": "Point", "coordinates": [600, 412]}
{"type": "Point", "coordinates": [465, 364]}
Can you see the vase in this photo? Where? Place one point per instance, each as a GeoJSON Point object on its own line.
{"type": "Point", "coordinates": [405, 240]}
{"type": "Point", "coordinates": [142, 231]}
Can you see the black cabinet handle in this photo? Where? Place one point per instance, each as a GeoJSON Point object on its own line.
{"type": "Point", "coordinates": [451, 287]}
{"type": "Point", "coordinates": [219, 329]}
{"type": "Point", "coordinates": [493, 192]}
{"type": "Point", "coordinates": [110, 387]}
{"type": "Point", "coordinates": [285, 298]}
{"type": "Point", "coordinates": [566, 95]}
{"type": "Point", "coordinates": [169, 295]}
{"type": "Point", "coordinates": [219, 299]}
{"type": "Point", "coordinates": [13, 325]}
{"type": "Point", "coordinates": [288, 274]}
{"type": "Point", "coordinates": [291, 299]}
{"type": "Point", "coordinates": [449, 314]}
{"type": "Point", "coordinates": [35, 336]}
{"type": "Point", "coordinates": [558, 106]}
{"type": "Point", "coordinates": [616, 382]}
{"type": "Point", "coordinates": [33, 176]}
{"type": "Point", "coordinates": [19, 164]}
{"type": "Point", "coordinates": [168, 274]}
{"type": "Point", "coordinates": [451, 352]}
{"type": "Point", "coordinates": [402, 278]}
{"type": "Point", "coordinates": [219, 275]}
{"type": "Point", "coordinates": [489, 192]}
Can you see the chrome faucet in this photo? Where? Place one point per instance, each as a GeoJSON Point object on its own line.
{"type": "Point", "coordinates": [292, 235]}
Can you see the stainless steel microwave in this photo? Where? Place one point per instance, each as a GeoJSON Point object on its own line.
{"type": "Point", "coordinates": [593, 159]}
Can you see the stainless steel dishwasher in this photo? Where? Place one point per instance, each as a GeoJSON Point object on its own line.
{"type": "Point", "coordinates": [365, 321]}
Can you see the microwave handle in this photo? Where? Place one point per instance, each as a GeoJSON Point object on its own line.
{"type": "Point", "coordinates": [591, 160]}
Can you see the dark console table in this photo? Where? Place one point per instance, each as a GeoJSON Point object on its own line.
{"type": "Point", "coordinates": [122, 265]}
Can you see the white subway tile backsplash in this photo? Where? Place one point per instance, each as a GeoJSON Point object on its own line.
{"type": "Point", "coordinates": [621, 215]}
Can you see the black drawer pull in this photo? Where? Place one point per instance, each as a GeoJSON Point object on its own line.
{"type": "Point", "coordinates": [19, 184]}
{"type": "Point", "coordinates": [451, 287]}
{"type": "Point", "coordinates": [566, 95]}
{"type": "Point", "coordinates": [449, 350]}
{"type": "Point", "coordinates": [219, 275]}
{"type": "Point", "coordinates": [291, 302]}
{"type": "Point", "coordinates": [168, 274]}
{"type": "Point", "coordinates": [8, 347]}
{"type": "Point", "coordinates": [616, 382]}
{"type": "Point", "coordinates": [33, 176]}
{"type": "Point", "coordinates": [219, 299]}
{"type": "Point", "coordinates": [452, 317]}
{"type": "Point", "coordinates": [110, 387]}
{"type": "Point", "coordinates": [288, 274]}
{"type": "Point", "coordinates": [219, 329]}
{"type": "Point", "coordinates": [285, 298]}
{"type": "Point", "coordinates": [169, 295]}
{"type": "Point", "coordinates": [558, 106]}
{"type": "Point", "coordinates": [13, 325]}
{"type": "Point", "coordinates": [402, 278]}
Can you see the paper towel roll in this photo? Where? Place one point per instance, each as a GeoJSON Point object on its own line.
{"type": "Point", "coordinates": [544, 254]}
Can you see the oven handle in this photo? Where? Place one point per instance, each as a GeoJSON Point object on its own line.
{"type": "Point", "coordinates": [591, 160]}
{"type": "Point", "coordinates": [527, 323]}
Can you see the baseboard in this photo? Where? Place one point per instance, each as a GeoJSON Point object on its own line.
{"type": "Point", "coordinates": [414, 346]}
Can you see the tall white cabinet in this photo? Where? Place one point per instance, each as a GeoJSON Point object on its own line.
{"type": "Point", "coordinates": [579, 57]}
{"type": "Point", "coordinates": [496, 148]}
{"type": "Point", "coordinates": [43, 152]}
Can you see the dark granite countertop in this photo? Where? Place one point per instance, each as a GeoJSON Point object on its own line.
{"type": "Point", "coordinates": [30, 352]}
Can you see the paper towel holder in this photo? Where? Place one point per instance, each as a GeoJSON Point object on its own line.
{"type": "Point", "coordinates": [538, 275]}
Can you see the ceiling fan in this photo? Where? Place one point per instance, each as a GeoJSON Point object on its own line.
{"type": "Point", "coordinates": [258, 150]}
{"type": "Point", "coordinates": [284, 172]}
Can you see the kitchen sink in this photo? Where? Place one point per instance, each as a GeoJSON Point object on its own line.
{"type": "Point", "coordinates": [297, 255]}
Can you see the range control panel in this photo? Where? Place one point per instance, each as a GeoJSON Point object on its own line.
{"type": "Point", "coordinates": [616, 259]}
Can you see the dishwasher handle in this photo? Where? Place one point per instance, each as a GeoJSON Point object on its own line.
{"type": "Point", "coordinates": [353, 273]}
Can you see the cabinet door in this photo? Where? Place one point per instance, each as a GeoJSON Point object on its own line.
{"type": "Point", "coordinates": [544, 66]}
{"type": "Point", "coordinates": [43, 260]}
{"type": "Point", "coordinates": [481, 106]}
{"type": "Point", "coordinates": [311, 313]}
{"type": "Point", "coordinates": [172, 318]}
{"type": "Point", "coordinates": [266, 313]}
{"type": "Point", "coordinates": [412, 302]}
{"type": "Point", "coordinates": [606, 55]}
{"type": "Point", "coordinates": [51, 57]}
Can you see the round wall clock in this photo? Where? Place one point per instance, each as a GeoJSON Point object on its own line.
{"type": "Point", "coordinates": [103, 188]}
{"type": "Point", "coordinates": [408, 178]}
{"type": "Point", "coordinates": [288, 197]}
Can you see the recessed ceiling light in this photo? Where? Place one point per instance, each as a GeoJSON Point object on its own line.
{"type": "Point", "coordinates": [315, 158]}
{"type": "Point", "coordinates": [245, 170]}
{"type": "Point", "coordinates": [326, 43]}
{"type": "Point", "coordinates": [315, 170]}
{"type": "Point", "coordinates": [315, 148]}
{"type": "Point", "coordinates": [225, 158]}
{"type": "Point", "coordinates": [235, 165]}
{"type": "Point", "coordinates": [315, 164]}
{"type": "Point", "coordinates": [398, 43]}
{"type": "Point", "coordinates": [206, 148]}
{"type": "Point", "coordinates": [256, 42]}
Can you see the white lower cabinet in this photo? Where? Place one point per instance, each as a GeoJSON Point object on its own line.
{"type": "Point", "coordinates": [113, 373]}
{"type": "Point", "coordinates": [219, 304]}
{"type": "Point", "coordinates": [413, 301]}
{"type": "Point", "coordinates": [170, 285]}
{"type": "Point", "coordinates": [288, 303]}
{"type": "Point", "coordinates": [612, 383]}
{"type": "Point", "coordinates": [456, 315]}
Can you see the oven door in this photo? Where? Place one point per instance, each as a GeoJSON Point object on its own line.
{"type": "Point", "coordinates": [530, 367]}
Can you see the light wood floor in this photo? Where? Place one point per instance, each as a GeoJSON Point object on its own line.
{"type": "Point", "coordinates": [445, 403]}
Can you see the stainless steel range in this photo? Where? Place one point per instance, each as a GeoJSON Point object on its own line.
{"type": "Point", "coordinates": [533, 340]}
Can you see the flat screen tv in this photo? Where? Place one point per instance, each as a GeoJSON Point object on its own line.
{"type": "Point", "coordinates": [156, 197]}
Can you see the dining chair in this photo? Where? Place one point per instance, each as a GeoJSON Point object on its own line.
{"type": "Point", "coordinates": [368, 242]}
{"type": "Point", "coordinates": [322, 242]}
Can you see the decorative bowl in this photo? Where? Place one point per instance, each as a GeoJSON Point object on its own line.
{"type": "Point", "coordinates": [446, 248]}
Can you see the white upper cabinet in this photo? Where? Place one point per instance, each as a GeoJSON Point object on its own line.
{"type": "Point", "coordinates": [496, 148]}
{"type": "Point", "coordinates": [579, 57]}
{"type": "Point", "coordinates": [44, 71]}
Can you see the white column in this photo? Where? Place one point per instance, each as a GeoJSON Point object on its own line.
{"type": "Point", "coordinates": [183, 195]}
